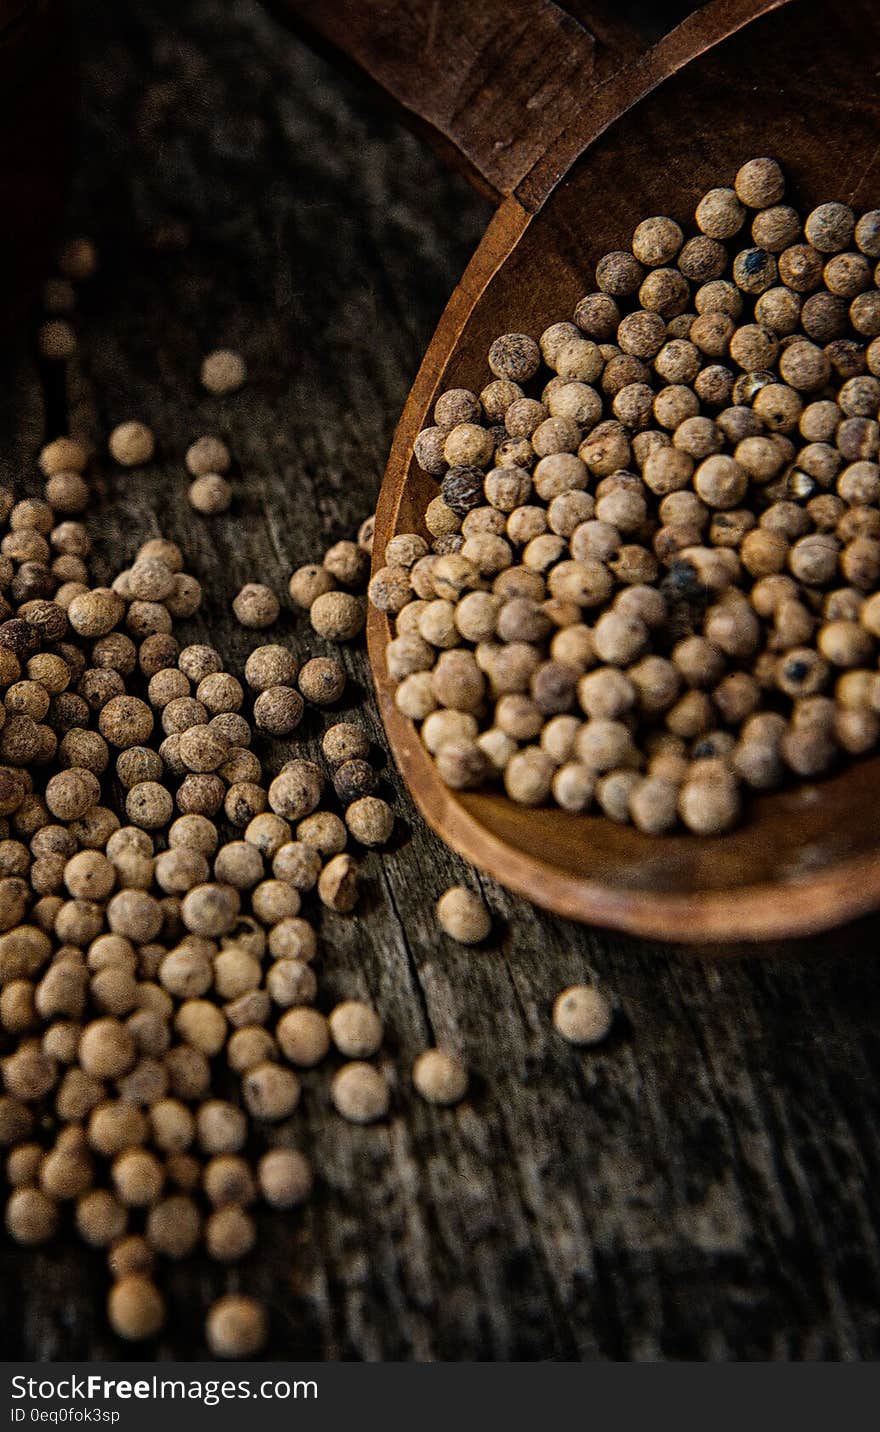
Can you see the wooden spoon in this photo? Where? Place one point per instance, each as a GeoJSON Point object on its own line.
{"type": "Point", "coordinates": [736, 79]}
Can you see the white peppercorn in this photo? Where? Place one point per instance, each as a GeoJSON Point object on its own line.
{"type": "Point", "coordinates": [582, 1015]}
{"type": "Point", "coordinates": [360, 1093]}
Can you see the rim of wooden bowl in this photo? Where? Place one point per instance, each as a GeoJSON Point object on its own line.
{"type": "Point", "coordinates": [800, 898]}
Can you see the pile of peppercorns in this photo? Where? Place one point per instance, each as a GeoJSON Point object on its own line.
{"type": "Point", "coordinates": [153, 873]}
{"type": "Point", "coordinates": [157, 984]}
{"type": "Point", "coordinates": [652, 580]}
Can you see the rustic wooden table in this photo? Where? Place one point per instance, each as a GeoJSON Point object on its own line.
{"type": "Point", "coordinates": [704, 1186]}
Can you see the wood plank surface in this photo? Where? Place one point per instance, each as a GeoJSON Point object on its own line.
{"type": "Point", "coordinates": [704, 1185]}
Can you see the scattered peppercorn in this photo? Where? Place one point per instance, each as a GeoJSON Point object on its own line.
{"type": "Point", "coordinates": [236, 1327]}
{"type": "Point", "coordinates": [463, 915]}
{"type": "Point", "coordinates": [210, 494]}
{"type": "Point", "coordinates": [56, 340]}
{"type": "Point", "coordinates": [338, 616]}
{"type": "Point", "coordinates": [322, 681]}
{"type": "Point", "coordinates": [356, 1029]}
{"type": "Point", "coordinates": [360, 1093]}
{"type": "Point", "coordinates": [132, 444]}
{"type": "Point", "coordinates": [256, 606]}
{"type": "Point", "coordinates": [223, 371]}
{"type": "Point", "coordinates": [135, 1307]}
{"type": "Point", "coordinates": [439, 1077]}
{"type": "Point", "coordinates": [582, 1014]}
{"type": "Point", "coordinates": [337, 884]}
{"type": "Point", "coordinates": [370, 820]}
{"type": "Point", "coordinates": [285, 1178]}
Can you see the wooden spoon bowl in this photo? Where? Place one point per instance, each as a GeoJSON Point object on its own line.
{"type": "Point", "coordinates": [795, 80]}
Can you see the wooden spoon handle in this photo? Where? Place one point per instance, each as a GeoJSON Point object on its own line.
{"type": "Point", "coordinates": [700, 31]}
{"type": "Point", "coordinates": [494, 82]}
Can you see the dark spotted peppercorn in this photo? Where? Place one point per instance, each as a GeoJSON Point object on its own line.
{"type": "Point", "coordinates": [354, 779]}
{"type": "Point", "coordinates": [68, 710]}
{"type": "Point", "coordinates": [847, 357]}
{"type": "Point", "coordinates": [76, 659]}
{"type": "Point", "coordinates": [450, 542]}
{"type": "Point", "coordinates": [48, 619]}
{"type": "Point", "coordinates": [703, 259]}
{"type": "Point", "coordinates": [19, 637]}
{"type": "Point", "coordinates": [754, 270]}
{"type": "Point", "coordinates": [682, 584]}
{"type": "Point", "coordinates": [462, 489]}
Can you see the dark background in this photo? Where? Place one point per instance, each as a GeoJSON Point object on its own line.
{"type": "Point", "coordinates": [704, 1185]}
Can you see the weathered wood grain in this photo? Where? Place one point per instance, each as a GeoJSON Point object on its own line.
{"type": "Point", "coordinates": [703, 1186]}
